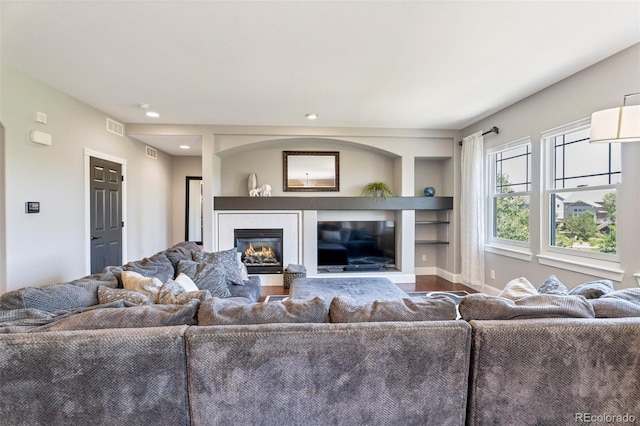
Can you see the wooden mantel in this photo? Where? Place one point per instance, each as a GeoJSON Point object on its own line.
{"type": "Point", "coordinates": [332, 203]}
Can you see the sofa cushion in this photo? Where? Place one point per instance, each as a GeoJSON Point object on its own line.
{"type": "Point", "coordinates": [618, 304]}
{"type": "Point", "coordinates": [593, 289]}
{"type": "Point", "coordinates": [149, 286]}
{"type": "Point", "coordinates": [82, 292]}
{"type": "Point", "coordinates": [483, 307]}
{"type": "Point", "coordinates": [517, 289]}
{"type": "Point", "coordinates": [207, 276]}
{"type": "Point", "coordinates": [218, 311]}
{"type": "Point", "coordinates": [610, 307]}
{"type": "Point", "coordinates": [108, 295]}
{"type": "Point", "coordinates": [158, 266]}
{"type": "Point", "coordinates": [251, 289]}
{"type": "Point", "coordinates": [129, 317]}
{"type": "Point", "coordinates": [347, 309]}
{"type": "Point", "coordinates": [227, 258]}
{"type": "Point", "coordinates": [553, 285]}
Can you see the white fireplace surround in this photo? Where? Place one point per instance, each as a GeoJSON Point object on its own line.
{"type": "Point", "coordinates": [300, 243]}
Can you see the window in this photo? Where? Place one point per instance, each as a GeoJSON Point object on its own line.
{"type": "Point", "coordinates": [509, 171]}
{"type": "Point", "coordinates": [581, 189]}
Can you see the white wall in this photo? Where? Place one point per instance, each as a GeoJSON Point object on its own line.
{"type": "Point", "coordinates": [182, 167]}
{"type": "Point", "coordinates": [50, 246]}
{"type": "Point", "coordinates": [597, 87]}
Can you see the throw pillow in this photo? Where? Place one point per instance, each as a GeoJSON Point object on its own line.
{"type": "Point", "coordinates": [149, 286]}
{"type": "Point", "coordinates": [484, 307]}
{"type": "Point", "coordinates": [517, 289]}
{"type": "Point", "coordinates": [172, 293]}
{"type": "Point", "coordinates": [220, 312]}
{"type": "Point", "coordinates": [552, 285]}
{"type": "Point", "coordinates": [206, 276]}
{"type": "Point", "coordinates": [108, 295]}
{"type": "Point", "coordinates": [227, 258]}
{"type": "Point", "coordinates": [593, 289]}
{"type": "Point", "coordinates": [439, 308]}
{"type": "Point", "coordinates": [186, 283]}
{"type": "Point", "coordinates": [629, 294]}
{"type": "Point", "coordinates": [244, 273]}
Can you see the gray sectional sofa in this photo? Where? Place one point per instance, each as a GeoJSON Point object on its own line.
{"type": "Point", "coordinates": [548, 361]}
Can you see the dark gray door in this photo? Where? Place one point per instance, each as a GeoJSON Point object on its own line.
{"type": "Point", "coordinates": [106, 214]}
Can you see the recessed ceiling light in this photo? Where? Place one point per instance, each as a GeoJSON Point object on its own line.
{"type": "Point", "coordinates": [185, 147]}
{"type": "Point", "coordinates": [148, 112]}
{"type": "Point", "coordinates": [312, 116]}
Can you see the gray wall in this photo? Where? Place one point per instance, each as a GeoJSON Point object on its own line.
{"type": "Point", "coordinates": [600, 86]}
{"type": "Point", "coordinates": [50, 246]}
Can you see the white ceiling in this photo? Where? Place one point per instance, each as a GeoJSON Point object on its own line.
{"type": "Point", "coordinates": [393, 64]}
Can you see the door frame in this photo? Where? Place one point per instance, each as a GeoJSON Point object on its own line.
{"type": "Point", "coordinates": [88, 153]}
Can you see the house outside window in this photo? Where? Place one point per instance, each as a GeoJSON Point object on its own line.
{"type": "Point", "coordinates": [580, 191]}
{"type": "Point", "coordinates": [509, 187]}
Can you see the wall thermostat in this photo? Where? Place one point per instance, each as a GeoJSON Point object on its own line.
{"type": "Point", "coordinates": [33, 206]}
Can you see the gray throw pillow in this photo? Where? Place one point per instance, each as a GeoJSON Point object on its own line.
{"type": "Point", "coordinates": [553, 285]}
{"type": "Point", "coordinates": [108, 295]}
{"type": "Point", "coordinates": [629, 294]}
{"type": "Point", "coordinates": [216, 311]}
{"type": "Point", "coordinates": [227, 258]}
{"type": "Point", "coordinates": [593, 289]}
{"type": "Point", "coordinates": [484, 307]}
{"type": "Point", "coordinates": [206, 276]}
{"type": "Point", "coordinates": [346, 309]}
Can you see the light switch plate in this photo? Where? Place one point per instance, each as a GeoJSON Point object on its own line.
{"type": "Point", "coordinates": [32, 206]}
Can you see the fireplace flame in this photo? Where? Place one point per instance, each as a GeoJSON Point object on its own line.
{"type": "Point", "coordinates": [263, 253]}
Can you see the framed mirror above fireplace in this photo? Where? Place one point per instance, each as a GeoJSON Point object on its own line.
{"type": "Point", "coordinates": [311, 171]}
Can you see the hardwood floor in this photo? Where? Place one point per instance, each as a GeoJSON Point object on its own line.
{"type": "Point", "coordinates": [423, 283]}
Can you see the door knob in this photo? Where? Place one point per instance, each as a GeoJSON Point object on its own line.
{"type": "Point", "coordinates": [94, 238]}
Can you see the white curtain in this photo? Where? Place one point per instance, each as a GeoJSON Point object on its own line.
{"type": "Point", "coordinates": [472, 210]}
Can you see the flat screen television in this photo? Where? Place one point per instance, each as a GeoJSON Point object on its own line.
{"type": "Point", "coordinates": [356, 245]}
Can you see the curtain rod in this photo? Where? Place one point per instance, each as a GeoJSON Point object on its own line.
{"type": "Point", "coordinates": [494, 129]}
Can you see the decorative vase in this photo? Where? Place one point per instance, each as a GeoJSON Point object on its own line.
{"type": "Point", "coordinates": [252, 182]}
{"type": "Point", "coordinates": [429, 191]}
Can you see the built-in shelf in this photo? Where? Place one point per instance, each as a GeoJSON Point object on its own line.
{"type": "Point", "coordinates": [431, 242]}
{"type": "Point", "coordinates": [332, 203]}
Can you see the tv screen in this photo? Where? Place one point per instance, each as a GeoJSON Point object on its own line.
{"type": "Point", "coordinates": [356, 245]}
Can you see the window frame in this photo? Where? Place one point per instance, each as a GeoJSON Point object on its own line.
{"type": "Point", "coordinates": [507, 247]}
{"type": "Point", "coordinates": [582, 261]}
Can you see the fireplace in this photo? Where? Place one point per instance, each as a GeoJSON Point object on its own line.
{"type": "Point", "coordinates": [261, 249]}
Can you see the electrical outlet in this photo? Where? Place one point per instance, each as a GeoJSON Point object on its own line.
{"type": "Point", "coordinates": [493, 274]}
{"type": "Point", "coordinates": [424, 257]}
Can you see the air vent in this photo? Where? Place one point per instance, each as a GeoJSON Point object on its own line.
{"type": "Point", "coordinates": [115, 127]}
{"type": "Point", "coordinates": [152, 153]}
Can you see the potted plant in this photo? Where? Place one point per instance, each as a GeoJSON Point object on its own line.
{"type": "Point", "coordinates": [377, 190]}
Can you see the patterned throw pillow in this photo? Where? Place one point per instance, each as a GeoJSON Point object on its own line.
{"type": "Point", "coordinates": [553, 285]}
{"type": "Point", "coordinates": [149, 286]}
{"type": "Point", "coordinates": [172, 293]}
{"type": "Point", "coordinates": [593, 289]}
{"type": "Point", "coordinates": [108, 295]}
{"type": "Point", "coordinates": [227, 258]}
{"type": "Point", "coordinates": [207, 276]}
